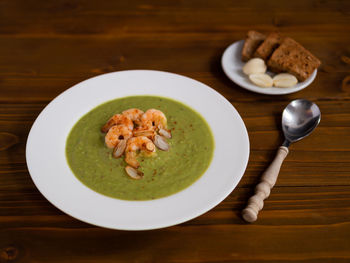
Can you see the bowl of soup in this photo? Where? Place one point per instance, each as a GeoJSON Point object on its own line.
{"type": "Point", "coordinates": [71, 166]}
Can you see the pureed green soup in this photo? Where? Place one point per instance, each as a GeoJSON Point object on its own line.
{"type": "Point", "coordinates": [191, 150]}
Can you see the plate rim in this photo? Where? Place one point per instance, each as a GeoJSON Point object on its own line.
{"type": "Point", "coordinates": [257, 89]}
{"type": "Point", "coordinates": [184, 218]}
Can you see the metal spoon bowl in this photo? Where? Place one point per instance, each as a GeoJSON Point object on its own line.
{"type": "Point", "coordinates": [299, 119]}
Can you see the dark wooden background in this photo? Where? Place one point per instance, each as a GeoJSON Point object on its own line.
{"type": "Point", "coordinates": [48, 46]}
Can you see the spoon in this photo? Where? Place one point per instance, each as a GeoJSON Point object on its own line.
{"type": "Point", "coordinates": [299, 119]}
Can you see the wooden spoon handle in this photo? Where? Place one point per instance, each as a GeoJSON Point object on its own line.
{"type": "Point", "coordinates": [263, 189]}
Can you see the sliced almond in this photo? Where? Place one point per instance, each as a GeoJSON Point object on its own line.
{"type": "Point", "coordinates": [161, 143]}
{"type": "Point", "coordinates": [133, 173]}
{"type": "Point", "coordinates": [284, 80]}
{"type": "Point", "coordinates": [146, 133]}
{"type": "Point", "coordinates": [165, 133]}
{"type": "Point", "coordinates": [119, 149]}
{"type": "Point", "coordinates": [261, 80]}
{"type": "Point", "coordinates": [254, 66]}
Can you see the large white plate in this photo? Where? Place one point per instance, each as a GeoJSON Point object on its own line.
{"type": "Point", "coordinates": [48, 167]}
{"type": "Point", "coordinates": [232, 65]}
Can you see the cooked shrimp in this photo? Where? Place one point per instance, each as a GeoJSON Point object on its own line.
{"type": "Point", "coordinates": [136, 144]}
{"type": "Point", "coordinates": [118, 119]}
{"type": "Point", "coordinates": [134, 115]}
{"type": "Point", "coordinates": [117, 133]}
{"type": "Point", "coordinates": [154, 119]}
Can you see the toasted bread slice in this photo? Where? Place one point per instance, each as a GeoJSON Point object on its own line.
{"type": "Point", "coordinates": [293, 58]}
{"type": "Point", "coordinates": [272, 41]}
{"type": "Point", "coordinates": [253, 40]}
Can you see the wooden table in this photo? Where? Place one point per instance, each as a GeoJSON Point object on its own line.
{"type": "Point", "coordinates": [48, 46]}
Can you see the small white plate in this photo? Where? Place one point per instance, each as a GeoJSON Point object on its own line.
{"type": "Point", "coordinates": [232, 65]}
{"type": "Point", "coordinates": [45, 152]}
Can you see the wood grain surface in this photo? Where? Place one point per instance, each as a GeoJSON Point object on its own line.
{"type": "Point", "coordinates": [48, 46]}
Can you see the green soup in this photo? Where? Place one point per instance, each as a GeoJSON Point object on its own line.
{"type": "Point", "coordinates": [191, 150]}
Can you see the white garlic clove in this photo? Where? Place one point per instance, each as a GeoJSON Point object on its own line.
{"type": "Point", "coordinates": [161, 143]}
{"type": "Point", "coordinates": [119, 149]}
{"type": "Point", "coordinates": [284, 80]}
{"type": "Point", "coordinates": [254, 66]}
{"type": "Point", "coordinates": [261, 80]}
{"type": "Point", "coordinates": [133, 173]}
{"type": "Point", "coordinates": [165, 133]}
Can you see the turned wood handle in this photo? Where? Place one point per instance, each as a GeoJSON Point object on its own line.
{"type": "Point", "coordinates": [263, 189]}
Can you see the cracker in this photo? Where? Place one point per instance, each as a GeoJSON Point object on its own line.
{"type": "Point", "coordinates": [272, 41]}
{"type": "Point", "coordinates": [253, 40]}
{"type": "Point", "coordinates": [293, 58]}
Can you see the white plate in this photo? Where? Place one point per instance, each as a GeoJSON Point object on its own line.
{"type": "Point", "coordinates": [48, 167]}
{"type": "Point", "coordinates": [232, 65]}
